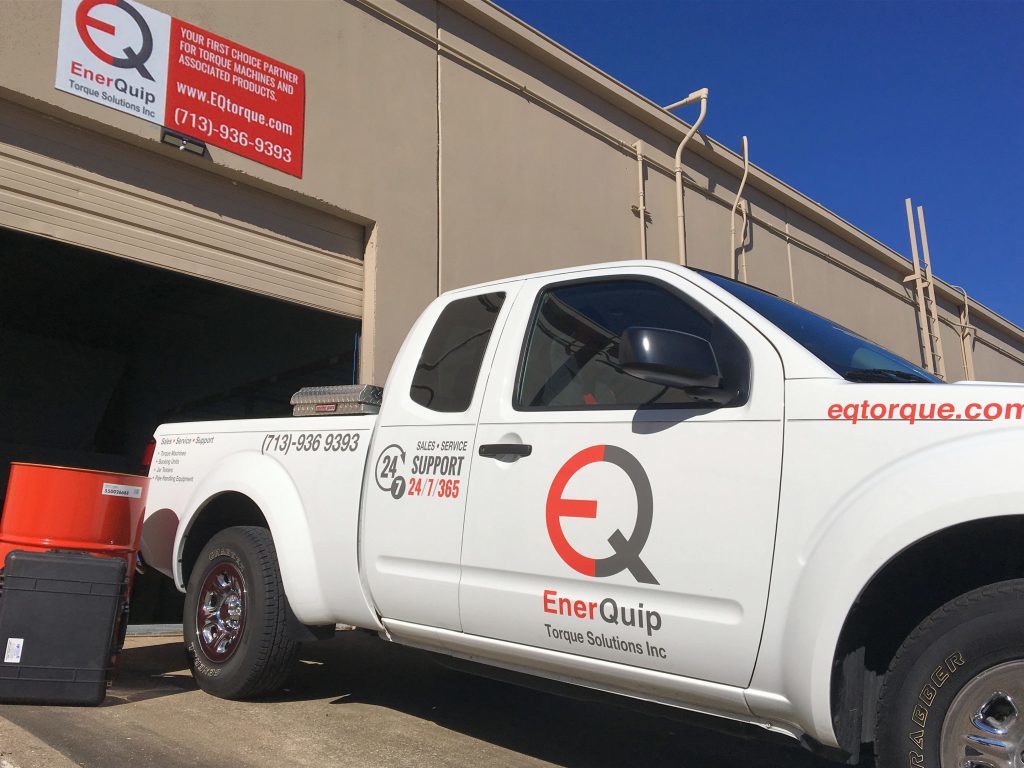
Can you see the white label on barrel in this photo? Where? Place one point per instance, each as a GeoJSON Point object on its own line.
{"type": "Point", "coordinates": [128, 491]}
{"type": "Point", "coordinates": [14, 646]}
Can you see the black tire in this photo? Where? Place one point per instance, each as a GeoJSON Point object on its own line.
{"type": "Point", "coordinates": [249, 648]}
{"type": "Point", "coordinates": [946, 668]}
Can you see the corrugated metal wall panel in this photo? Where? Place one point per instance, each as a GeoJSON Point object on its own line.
{"type": "Point", "coordinates": [48, 197]}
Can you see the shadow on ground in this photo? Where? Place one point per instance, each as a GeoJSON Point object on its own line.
{"type": "Point", "coordinates": [379, 684]}
{"type": "Point", "coordinates": [150, 672]}
{"type": "Point", "coordinates": [577, 728]}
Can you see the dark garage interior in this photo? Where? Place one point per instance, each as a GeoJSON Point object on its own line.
{"type": "Point", "coordinates": [96, 351]}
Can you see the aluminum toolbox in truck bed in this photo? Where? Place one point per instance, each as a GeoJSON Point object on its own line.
{"type": "Point", "coordinates": [339, 400]}
{"type": "Point", "coordinates": [58, 615]}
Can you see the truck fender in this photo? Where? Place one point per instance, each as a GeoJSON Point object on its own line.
{"type": "Point", "coordinates": [266, 482]}
{"type": "Point", "coordinates": [882, 516]}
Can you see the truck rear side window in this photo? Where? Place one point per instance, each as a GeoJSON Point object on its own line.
{"type": "Point", "coordinates": [449, 366]}
{"type": "Point", "coordinates": [571, 359]}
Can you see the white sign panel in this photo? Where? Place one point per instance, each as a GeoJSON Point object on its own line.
{"type": "Point", "coordinates": [115, 52]}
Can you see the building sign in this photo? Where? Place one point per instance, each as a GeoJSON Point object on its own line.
{"type": "Point", "coordinates": [129, 57]}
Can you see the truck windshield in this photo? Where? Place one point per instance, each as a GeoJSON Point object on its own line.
{"type": "Point", "coordinates": [851, 356]}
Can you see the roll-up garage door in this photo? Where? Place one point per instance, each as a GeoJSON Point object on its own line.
{"type": "Point", "coordinates": [69, 184]}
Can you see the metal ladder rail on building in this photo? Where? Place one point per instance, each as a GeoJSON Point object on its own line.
{"type": "Point", "coordinates": [967, 335]}
{"type": "Point", "coordinates": [934, 329]}
{"type": "Point", "coordinates": [927, 312]}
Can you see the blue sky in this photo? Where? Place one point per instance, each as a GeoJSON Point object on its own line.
{"type": "Point", "coordinates": [857, 104]}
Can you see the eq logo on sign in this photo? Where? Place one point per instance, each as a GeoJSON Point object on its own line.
{"type": "Point", "coordinates": [626, 550]}
{"type": "Point", "coordinates": [108, 45]}
{"type": "Point", "coordinates": [115, 53]}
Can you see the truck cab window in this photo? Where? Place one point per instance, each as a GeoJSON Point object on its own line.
{"type": "Point", "coordinates": [449, 366]}
{"type": "Point", "coordinates": [571, 357]}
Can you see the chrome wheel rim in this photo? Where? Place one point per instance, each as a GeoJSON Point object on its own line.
{"type": "Point", "coordinates": [220, 615]}
{"type": "Point", "coordinates": [985, 724]}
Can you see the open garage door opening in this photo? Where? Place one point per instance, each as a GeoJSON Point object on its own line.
{"type": "Point", "coordinates": [96, 351]}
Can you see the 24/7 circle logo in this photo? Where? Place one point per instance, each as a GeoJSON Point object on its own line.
{"type": "Point", "coordinates": [626, 550]}
{"type": "Point", "coordinates": [132, 59]}
{"type": "Point", "coordinates": [389, 471]}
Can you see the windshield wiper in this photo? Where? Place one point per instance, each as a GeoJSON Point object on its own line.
{"type": "Point", "coordinates": [884, 375]}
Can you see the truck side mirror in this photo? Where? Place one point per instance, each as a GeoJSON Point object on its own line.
{"type": "Point", "coordinates": [669, 358]}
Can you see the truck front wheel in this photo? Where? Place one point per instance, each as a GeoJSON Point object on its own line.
{"type": "Point", "coordinates": [954, 693]}
{"type": "Point", "coordinates": [236, 621]}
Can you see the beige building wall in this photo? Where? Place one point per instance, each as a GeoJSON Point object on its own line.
{"type": "Point", "coordinates": [469, 147]}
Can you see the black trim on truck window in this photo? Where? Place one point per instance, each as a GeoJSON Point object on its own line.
{"type": "Point", "coordinates": [449, 366]}
{"type": "Point", "coordinates": [569, 359]}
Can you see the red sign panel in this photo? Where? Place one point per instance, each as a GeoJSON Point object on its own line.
{"type": "Point", "coordinates": [232, 97]}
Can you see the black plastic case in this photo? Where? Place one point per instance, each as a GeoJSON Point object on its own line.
{"type": "Point", "coordinates": [58, 615]}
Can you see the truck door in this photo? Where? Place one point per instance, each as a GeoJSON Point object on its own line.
{"type": "Point", "coordinates": [614, 518]}
{"type": "Point", "coordinates": [415, 493]}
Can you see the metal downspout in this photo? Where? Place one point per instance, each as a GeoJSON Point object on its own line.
{"type": "Point", "coordinates": [732, 222]}
{"type": "Point", "coordinates": [789, 260]}
{"type": "Point", "coordinates": [641, 209]}
{"type": "Point", "coordinates": [702, 96]}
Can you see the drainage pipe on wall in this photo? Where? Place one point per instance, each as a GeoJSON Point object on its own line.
{"type": "Point", "coordinates": [738, 203]}
{"type": "Point", "coordinates": [641, 210]}
{"type": "Point", "coordinates": [702, 97]}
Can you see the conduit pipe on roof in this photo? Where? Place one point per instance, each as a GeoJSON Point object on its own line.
{"type": "Point", "coordinates": [702, 97]}
{"type": "Point", "coordinates": [738, 203]}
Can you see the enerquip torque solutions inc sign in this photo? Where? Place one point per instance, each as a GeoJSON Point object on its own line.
{"type": "Point", "coordinates": [134, 59]}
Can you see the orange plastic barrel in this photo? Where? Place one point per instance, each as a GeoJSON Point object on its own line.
{"type": "Point", "coordinates": [79, 509]}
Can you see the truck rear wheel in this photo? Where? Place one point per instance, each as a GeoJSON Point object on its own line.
{"type": "Point", "coordinates": [954, 694]}
{"type": "Point", "coordinates": [237, 620]}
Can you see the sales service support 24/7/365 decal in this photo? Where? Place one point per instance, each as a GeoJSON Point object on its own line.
{"type": "Point", "coordinates": [625, 556]}
{"type": "Point", "coordinates": [434, 469]}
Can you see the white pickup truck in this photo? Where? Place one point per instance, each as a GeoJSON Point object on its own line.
{"type": "Point", "coordinates": [642, 479]}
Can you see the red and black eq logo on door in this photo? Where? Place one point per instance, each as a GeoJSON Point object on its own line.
{"type": "Point", "coordinates": [625, 549]}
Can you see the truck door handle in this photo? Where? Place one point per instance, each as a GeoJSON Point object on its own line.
{"type": "Point", "coordinates": [506, 451]}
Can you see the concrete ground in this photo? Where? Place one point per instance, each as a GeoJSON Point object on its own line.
{"type": "Point", "coordinates": [356, 701]}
